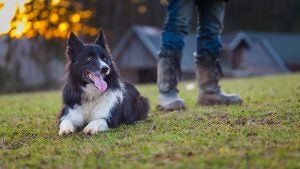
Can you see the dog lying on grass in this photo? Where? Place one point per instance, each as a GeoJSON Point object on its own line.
{"type": "Point", "coordinates": [94, 97]}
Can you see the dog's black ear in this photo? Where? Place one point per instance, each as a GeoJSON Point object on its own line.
{"type": "Point", "coordinates": [101, 40]}
{"type": "Point", "coordinates": [74, 45]}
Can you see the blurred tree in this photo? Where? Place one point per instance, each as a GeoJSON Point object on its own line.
{"type": "Point", "coordinates": [56, 18]}
{"type": "Point", "coordinates": [51, 19]}
{"type": "Point", "coordinates": [1, 5]}
{"type": "Point", "coordinates": [266, 15]}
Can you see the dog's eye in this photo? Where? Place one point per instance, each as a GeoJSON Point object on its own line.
{"type": "Point", "coordinates": [90, 56]}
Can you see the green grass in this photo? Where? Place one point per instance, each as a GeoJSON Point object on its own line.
{"type": "Point", "coordinates": [263, 132]}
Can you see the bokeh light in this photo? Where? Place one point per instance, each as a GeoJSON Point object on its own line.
{"type": "Point", "coordinates": [142, 9]}
{"type": "Point", "coordinates": [50, 19]}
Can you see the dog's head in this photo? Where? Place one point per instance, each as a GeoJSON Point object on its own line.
{"type": "Point", "coordinates": [89, 63]}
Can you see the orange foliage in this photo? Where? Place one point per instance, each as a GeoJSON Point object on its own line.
{"type": "Point", "coordinates": [50, 19]}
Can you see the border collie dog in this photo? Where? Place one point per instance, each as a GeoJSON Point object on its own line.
{"type": "Point", "coordinates": [94, 97]}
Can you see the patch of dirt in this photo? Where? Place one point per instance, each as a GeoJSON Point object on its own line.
{"type": "Point", "coordinates": [169, 156]}
{"type": "Point", "coordinates": [190, 154]}
{"type": "Point", "coordinates": [240, 121]}
{"type": "Point", "coordinates": [269, 114]}
{"type": "Point", "coordinates": [17, 141]}
{"type": "Point", "coordinates": [251, 134]}
{"type": "Point", "coordinates": [223, 118]}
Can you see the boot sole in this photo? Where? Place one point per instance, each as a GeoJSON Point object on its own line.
{"type": "Point", "coordinates": [213, 102]}
{"type": "Point", "coordinates": [178, 108]}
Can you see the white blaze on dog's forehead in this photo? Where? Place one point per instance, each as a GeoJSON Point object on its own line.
{"type": "Point", "coordinates": [103, 64]}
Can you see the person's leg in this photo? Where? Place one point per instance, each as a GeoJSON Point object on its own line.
{"type": "Point", "coordinates": [176, 26]}
{"type": "Point", "coordinates": [210, 26]}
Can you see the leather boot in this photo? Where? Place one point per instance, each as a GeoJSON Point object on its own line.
{"type": "Point", "coordinates": [168, 76]}
{"type": "Point", "coordinates": [209, 72]}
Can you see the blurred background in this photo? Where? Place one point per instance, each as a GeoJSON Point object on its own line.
{"type": "Point", "coordinates": [260, 38]}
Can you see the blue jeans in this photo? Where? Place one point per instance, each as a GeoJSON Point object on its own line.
{"type": "Point", "coordinates": [209, 27]}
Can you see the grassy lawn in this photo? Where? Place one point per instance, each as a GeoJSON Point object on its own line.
{"type": "Point", "coordinates": [263, 132]}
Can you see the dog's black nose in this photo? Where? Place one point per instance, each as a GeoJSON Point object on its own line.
{"type": "Point", "coordinates": [104, 70]}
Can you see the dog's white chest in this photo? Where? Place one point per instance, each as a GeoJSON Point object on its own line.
{"type": "Point", "coordinates": [96, 105]}
{"type": "Point", "coordinates": [97, 108]}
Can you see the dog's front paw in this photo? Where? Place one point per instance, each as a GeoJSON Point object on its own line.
{"type": "Point", "coordinates": [66, 127]}
{"type": "Point", "coordinates": [95, 126]}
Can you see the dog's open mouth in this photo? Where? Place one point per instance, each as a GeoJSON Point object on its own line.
{"type": "Point", "coordinates": [98, 81]}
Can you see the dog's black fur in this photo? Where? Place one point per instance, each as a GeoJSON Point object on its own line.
{"type": "Point", "coordinates": [84, 57]}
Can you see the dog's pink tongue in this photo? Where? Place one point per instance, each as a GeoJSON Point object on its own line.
{"type": "Point", "coordinates": [99, 83]}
